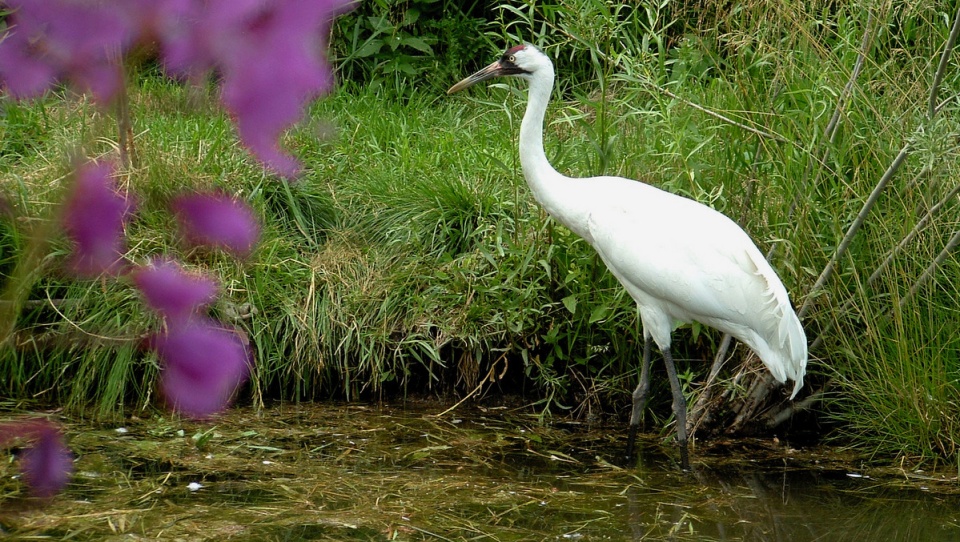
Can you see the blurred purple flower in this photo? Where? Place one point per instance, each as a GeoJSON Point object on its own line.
{"type": "Point", "coordinates": [271, 54]}
{"type": "Point", "coordinates": [272, 58]}
{"type": "Point", "coordinates": [218, 220]}
{"type": "Point", "coordinates": [203, 365]}
{"type": "Point", "coordinates": [154, 20]}
{"type": "Point", "coordinates": [93, 217]}
{"type": "Point", "coordinates": [46, 463]}
{"type": "Point", "coordinates": [173, 292]}
{"type": "Point", "coordinates": [54, 39]}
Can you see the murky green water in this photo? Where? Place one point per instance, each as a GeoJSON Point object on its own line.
{"type": "Point", "coordinates": [321, 472]}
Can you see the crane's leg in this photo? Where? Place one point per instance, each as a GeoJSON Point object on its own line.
{"type": "Point", "coordinates": [679, 409]}
{"type": "Point", "coordinates": [639, 397]}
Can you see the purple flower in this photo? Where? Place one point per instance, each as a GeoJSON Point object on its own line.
{"type": "Point", "coordinates": [203, 365]}
{"type": "Point", "coordinates": [53, 39]}
{"type": "Point", "coordinates": [46, 463]}
{"type": "Point", "coordinates": [218, 220]}
{"type": "Point", "coordinates": [171, 291]}
{"type": "Point", "coordinates": [93, 217]}
{"type": "Point", "coordinates": [271, 55]}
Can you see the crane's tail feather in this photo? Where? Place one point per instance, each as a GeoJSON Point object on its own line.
{"type": "Point", "coordinates": [785, 357]}
{"type": "Point", "coordinates": [796, 351]}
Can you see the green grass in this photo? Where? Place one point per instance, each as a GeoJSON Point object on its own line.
{"type": "Point", "coordinates": [901, 382]}
{"type": "Point", "coordinates": [411, 259]}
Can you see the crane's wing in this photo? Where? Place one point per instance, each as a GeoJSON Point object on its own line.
{"type": "Point", "coordinates": [678, 251]}
{"type": "Point", "coordinates": [691, 262]}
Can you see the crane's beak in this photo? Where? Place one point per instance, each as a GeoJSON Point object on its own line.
{"type": "Point", "coordinates": [493, 70]}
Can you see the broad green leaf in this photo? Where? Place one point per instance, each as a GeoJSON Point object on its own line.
{"type": "Point", "coordinates": [410, 17]}
{"type": "Point", "coordinates": [417, 44]}
{"type": "Point", "coordinates": [370, 48]}
{"type": "Point", "coordinates": [598, 314]}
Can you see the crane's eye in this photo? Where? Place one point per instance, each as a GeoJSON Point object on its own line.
{"type": "Point", "coordinates": [512, 59]}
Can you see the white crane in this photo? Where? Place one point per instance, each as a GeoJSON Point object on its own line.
{"type": "Point", "coordinates": [680, 260]}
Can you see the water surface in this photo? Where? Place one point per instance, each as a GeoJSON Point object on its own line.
{"type": "Point", "coordinates": [325, 472]}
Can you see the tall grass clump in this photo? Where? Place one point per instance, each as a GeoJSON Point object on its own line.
{"type": "Point", "coordinates": [901, 382]}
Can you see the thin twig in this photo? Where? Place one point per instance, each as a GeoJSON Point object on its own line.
{"type": "Point", "coordinates": [924, 277]}
{"type": "Point", "coordinates": [831, 130]}
{"type": "Point", "coordinates": [913, 233]}
{"type": "Point", "coordinates": [793, 407]}
{"type": "Point", "coordinates": [933, 109]}
{"type": "Point", "coordinates": [491, 377]}
{"type": "Point", "coordinates": [917, 228]}
{"type": "Point", "coordinates": [931, 112]}
{"type": "Point", "coordinates": [700, 407]}
{"type": "Point", "coordinates": [128, 154]}
{"type": "Point", "coordinates": [40, 303]}
{"type": "Point", "coordinates": [728, 120]}
{"type": "Point", "coordinates": [852, 230]}
{"type": "Point", "coordinates": [928, 272]}
{"type": "Point", "coordinates": [829, 134]}
{"type": "Point", "coordinates": [942, 67]}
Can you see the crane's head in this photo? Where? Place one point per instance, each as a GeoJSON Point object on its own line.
{"type": "Point", "coordinates": [524, 61]}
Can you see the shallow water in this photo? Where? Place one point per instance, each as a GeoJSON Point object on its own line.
{"type": "Point", "coordinates": [322, 472]}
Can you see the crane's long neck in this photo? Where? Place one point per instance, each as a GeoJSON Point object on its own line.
{"type": "Point", "coordinates": [549, 187]}
{"type": "Point", "coordinates": [532, 157]}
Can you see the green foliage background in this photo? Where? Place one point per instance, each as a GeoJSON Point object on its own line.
{"type": "Point", "coordinates": [410, 258]}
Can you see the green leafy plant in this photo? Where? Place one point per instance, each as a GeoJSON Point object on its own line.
{"type": "Point", "coordinates": [400, 46]}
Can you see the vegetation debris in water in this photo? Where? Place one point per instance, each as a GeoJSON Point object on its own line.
{"type": "Point", "coordinates": [413, 472]}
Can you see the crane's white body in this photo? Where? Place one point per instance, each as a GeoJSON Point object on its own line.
{"type": "Point", "coordinates": [680, 260]}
